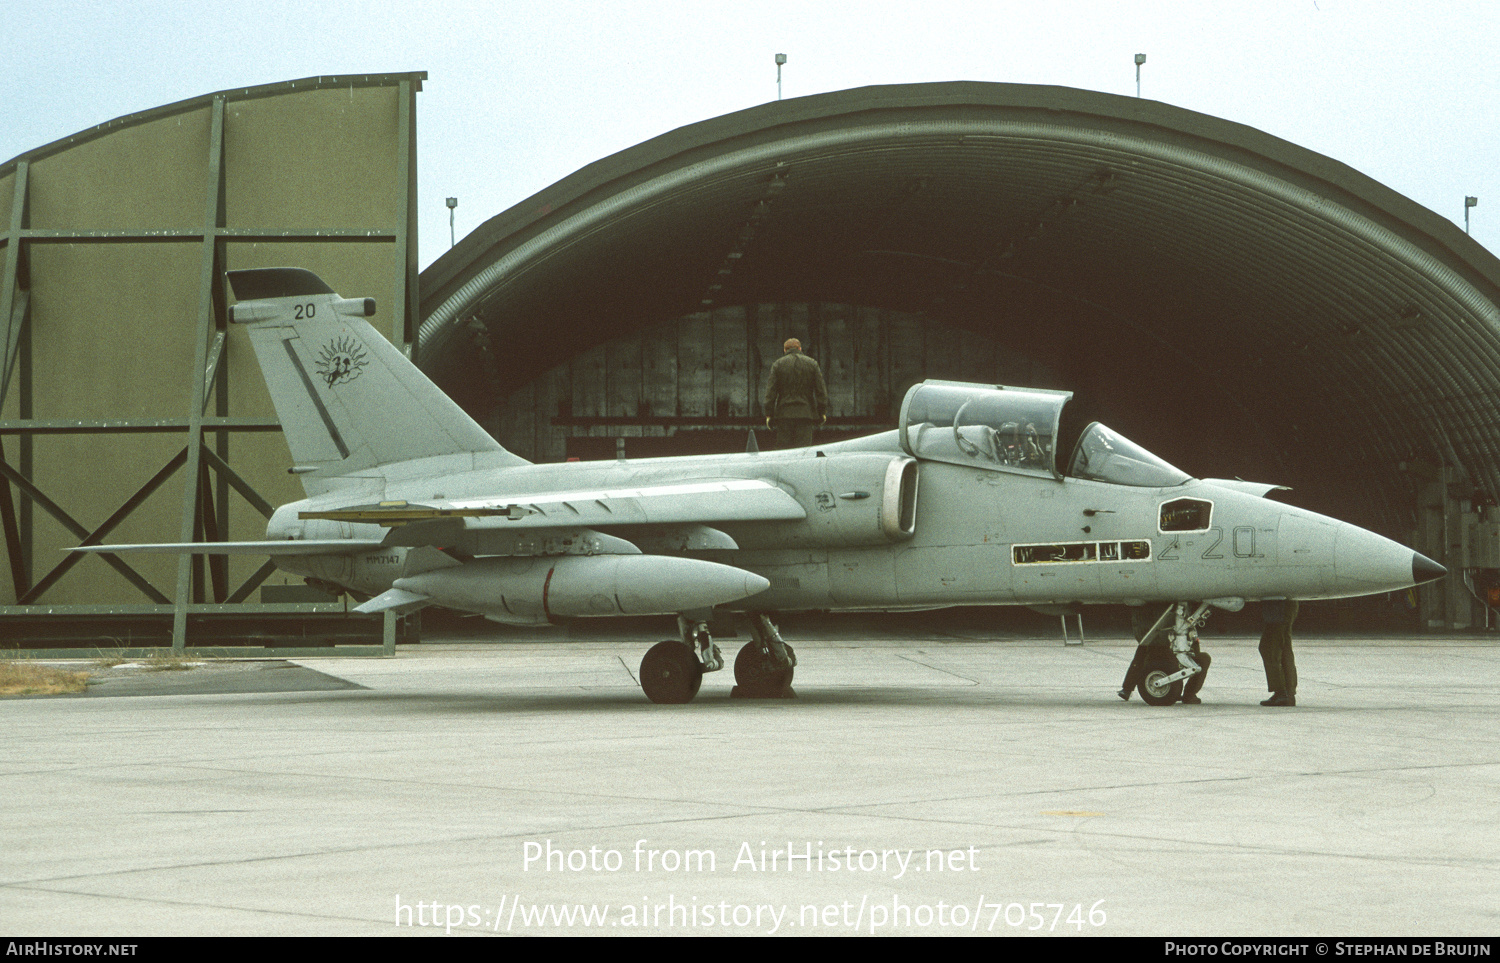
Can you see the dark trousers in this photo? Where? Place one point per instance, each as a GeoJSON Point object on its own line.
{"type": "Point", "coordinates": [793, 432]}
{"type": "Point", "coordinates": [1276, 653]}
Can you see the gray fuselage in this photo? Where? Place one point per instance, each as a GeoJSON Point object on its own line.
{"type": "Point", "coordinates": [976, 536]}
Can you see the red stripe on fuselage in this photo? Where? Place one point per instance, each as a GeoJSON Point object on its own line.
{"type": "Point", "coordinates": [545, 587]}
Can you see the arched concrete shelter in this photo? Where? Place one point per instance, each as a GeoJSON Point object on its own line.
{"type": "Point", "coordinates": [1240, 304]}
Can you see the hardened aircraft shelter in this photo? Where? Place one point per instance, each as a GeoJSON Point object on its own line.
{"type": "Point", "coordinates": [1238, 304]}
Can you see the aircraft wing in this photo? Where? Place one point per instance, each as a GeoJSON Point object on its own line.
{"type": "Point", "coordinates": [281, 547]}
{"type": "Point", "coordinates": [727, 500]}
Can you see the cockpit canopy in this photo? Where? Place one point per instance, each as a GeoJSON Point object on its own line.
{"type": "Point", "coordinates": [1016, 430]}
{"type": "Point", "coordinates": [1104, 455]}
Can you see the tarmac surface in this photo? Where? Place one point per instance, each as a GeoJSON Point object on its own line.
{"type": "Point", "coordinates": [922, 785]}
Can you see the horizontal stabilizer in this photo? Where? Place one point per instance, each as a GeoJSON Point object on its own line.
{"type": "Point", "coordinates": [398, 600]}
{"type": "Point", "coordinates": [728, 500]}
{"type": "Point", "coordinates": [259, 283]}
{"type": "Point", "coordinates": [327, 546]}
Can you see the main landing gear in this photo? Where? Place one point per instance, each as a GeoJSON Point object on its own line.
{"type": "Point", "coordinates": [672, 671]}
{"type": "Point", "coordinates": [1170, 665]}
{"type": "Point", "coordinates": [763, 669]}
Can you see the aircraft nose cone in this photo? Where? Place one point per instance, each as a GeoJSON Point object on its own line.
{"type": "Point", "coordinates": [1366, 563]}
{"type": "Point", "coordinates": [1424, 569]}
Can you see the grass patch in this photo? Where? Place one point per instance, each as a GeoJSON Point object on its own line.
{"type": "Point", "coordinates": [109, 658]}
{"type": "Point", "coordinates": [168, 661]}
{"type": "Point", "coordinates": [22, 678]}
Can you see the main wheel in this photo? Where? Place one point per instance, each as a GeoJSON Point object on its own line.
{"type": "Point", "coordinates": [670, 674]}
{"type": "Point", "coordinates": [1157, 693]}
{"type": "Point", "coordinates": [757, 674]}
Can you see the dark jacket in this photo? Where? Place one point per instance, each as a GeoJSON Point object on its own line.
{"type": "Point", "coordinates": [796, 389]}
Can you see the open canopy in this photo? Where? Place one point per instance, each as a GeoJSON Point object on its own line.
{"type": "Point", "coordinates": [1016, 430]}
{"type": "Point", "coordinates": [1107, 456]}
{"type": "Point", "coordinates": [1012, 429]}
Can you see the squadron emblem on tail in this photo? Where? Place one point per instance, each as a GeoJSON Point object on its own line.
{"type": "Point", "coordinates": [340, 361]}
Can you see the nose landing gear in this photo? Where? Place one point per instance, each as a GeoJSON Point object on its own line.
{"type": "Point", "coordinates": [1169, 665]}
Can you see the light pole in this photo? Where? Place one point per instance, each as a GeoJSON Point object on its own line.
{"type": "Point", "coordinates": [452, 205]}
{"type": "Point", "coordinates": [1468, 203]}
{"type": "Point", "coordinates": [780, 59]}
{"type": "Point", "coordinates": [1139, 59]}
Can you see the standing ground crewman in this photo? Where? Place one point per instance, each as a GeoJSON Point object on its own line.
{"type": "Point", "coordinates": [796, 397]}
{"type": "Point", "coordinates": [1276, 651]}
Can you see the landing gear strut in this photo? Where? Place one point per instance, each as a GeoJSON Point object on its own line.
{"type": "Point", "coordinates": [763, 668]}
{"type": "Point", "coordinates": [1162, 684]}
{"type": "Point", "coordinates": [672, 671]}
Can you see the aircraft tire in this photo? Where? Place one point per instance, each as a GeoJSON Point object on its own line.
{"type": "Point", "coordinates": [669, 673]}
{"type": "Point", "coordinates": [756, 676]}
{"type": "Point", "coordinates": [1156, 694]}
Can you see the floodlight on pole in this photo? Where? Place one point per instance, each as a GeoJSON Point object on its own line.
{"type": "Point", "coordinates": [1139, 59]}
{"type": "Point", "coordinates": [452, 237]}
{"type": "Point", "coordinates": [780, 60]}
{"type": "Point", "coordinates": [1468, 203]}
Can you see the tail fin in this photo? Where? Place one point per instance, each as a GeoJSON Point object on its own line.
{"type": "Point", "coordinates": [348, 400]}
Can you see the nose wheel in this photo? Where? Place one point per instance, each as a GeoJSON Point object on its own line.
{"type": "Point", "coordinates": [1155, 690]}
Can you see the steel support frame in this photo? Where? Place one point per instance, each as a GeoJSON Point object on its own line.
{"type": "Point", "coordinates": [204, 511]}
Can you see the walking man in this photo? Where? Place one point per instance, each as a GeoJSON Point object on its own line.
{"type": "Point", "coordinates": [796, 397]}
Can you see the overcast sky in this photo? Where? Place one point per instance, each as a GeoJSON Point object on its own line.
{"type": "Point", "coordinates": [521, 94]}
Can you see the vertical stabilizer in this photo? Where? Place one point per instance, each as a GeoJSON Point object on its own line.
{"type": "Point", "coordinates": [348, 400]}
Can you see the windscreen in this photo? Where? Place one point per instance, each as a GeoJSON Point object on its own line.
{"type": "Point", "coordinates": [1107, 456]}
{"type": "Point", "coordinates": [1009, 429]}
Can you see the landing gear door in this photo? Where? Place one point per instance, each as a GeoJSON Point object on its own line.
{"type": "Point", "coordinates": [995, 428]}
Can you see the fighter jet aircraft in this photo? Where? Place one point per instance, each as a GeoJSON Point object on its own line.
{"type": "Point", "coordinates": [974, 500]}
